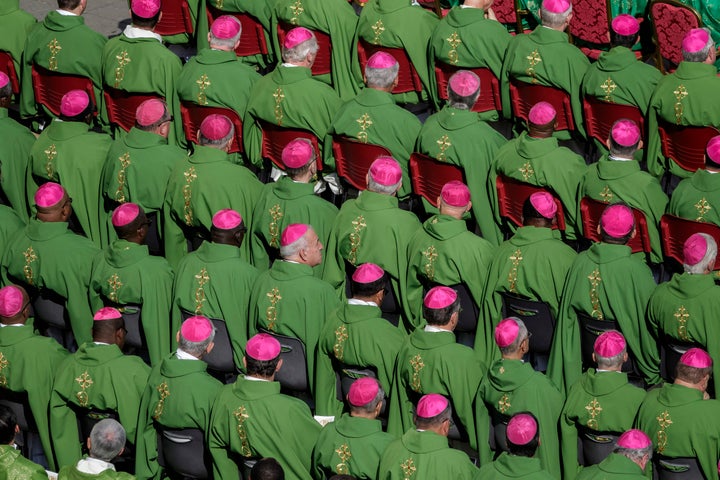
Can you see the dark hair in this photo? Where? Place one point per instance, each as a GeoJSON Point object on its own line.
{"type": "Point", "coordinates": [368, 289]}
{"type": "Point", "coordinates": [68, 4]}
{"type": "Point", "coordinates": [529, 449]}
{"type": "Point", "coordinates": [426, 423]}
{"type": "Point", "coordinates": [441, 316]}
{"type": "Point", "coordinates": [617, 149]}
{"type": "Point", "coordinates": [267, 469]}
{"type": "Point", "coordinates": [691, 374]}
{"type": "Point", "coordinates": [530, 213]}
{"type": "Point", "coordinates": [106, 328]}
{"type": "Point", "coordinates": [607, 238]}
{"type": "Point", "coordinates": [261, 368]}
{"type": "Point", "coordinates": [128, 230]}
{"type": "Point", "coordinates": [627, 41]}
{"type": "Point", "coordinates": [145, 22]}
{"type": "Point", "coordinates": [8, 422]}
{"type": "Point", "coordinates": [6, 91]}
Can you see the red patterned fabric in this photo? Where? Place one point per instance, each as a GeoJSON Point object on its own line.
{"type": "Point", "coordinates": [671, 23]}
{"type": "Point", "coordinates": [590, 22]}
{"type": "Point", "coordinates": [175, 18]}
{"type": "Point", "coordinates": [505, 11]}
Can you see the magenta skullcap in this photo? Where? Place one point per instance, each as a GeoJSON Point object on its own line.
{"type": "Point", "coordinates": [544, 203]}
{"type": "Point", "coordinates": [386, 171]}
{"type": "Point", "coordinates": [196, 329]}
{"type": "Point", "coordinates": [107, 313]}
{"type": "Point", "coordinates": [215, 127]}
{"type": "Point", "coordinates": [556, 6]}
{"type": "Point", "coordinates": [617, 220]}
{"type": "Point", "coordinates": [296, 36]}
{"type": "Point", "coordinates": [124, 214]}
{"type": "Point", "coordinates": [712, 151]}
{"type": "Point", "coordinates": [11, 301]}
{"type": "Point", "coordinates": [74, 103]}
{"type": "Point", "coordinates": [609, 344]}
{"type": "Point", "coordinates": [506, 332]}
{"type": "Point", "coordinates": [695, 40]}
{"type": "Point", "coordinates": [625, 132]}
{"type": "Point", "coordinates": [464, 83]}
{"type": "Point", "coordinates": [696, 358]}
{"type": "Point", "coordinates": [521, 429]}
{"type": "Point", "coordinates": [149, 112]}
{"type": "Point", "coordinates": [225, 27]}
{"type": "Point", "coordinates": [292, 233]}
{"type": "Point", "coordinates": [625, 24]}
{"type": "Point", "coordinates": [381, 60]}
{"type": "Point", "coordinates": [4, 79]}
{"type": "Point", "coordinates": [455, 193]}
{"type": "Point", "coordinates": [226, 219]}
{"type": "Point", "coordinates": [367, 273]}
{"type": "Point", "coordinates": [262, 347]}
{"type": "Point", "coordinates": [297, 153]}
{"type": "Point", "coordinates": [145, 8]}
{"type": "Point", "coordinates": [363, 391]}
{"type": "Point", "coordinates": [542, 113]}
{"type": "Point", "coordinates": [431, 405]}
{"type": "Point", "coordinates": [440, 297]}
{"type": "Point", "coordinates": [694, 249]}
{"type": "Point", "coordinates": [634, 439]}
{"type": "Point", "coordinates": [49, 194]}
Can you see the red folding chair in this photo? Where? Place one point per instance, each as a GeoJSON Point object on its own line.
{"type": "Point", "coordinates": [408, 79]}
{"type": "Point", "coordinates": [49, 87]}
{"type": "Point", "coordinates": [523, 96]}
{"type": "Point", "coordinates": [601, 115]}
{"type": "Point", "coordinates": [512, 195]}
{"type": "Point", "coordinates": [274, 139]}
{"type": "Point", "coordinates": [323, 60]}
{"type": "Point", "coordinates": [252, 36]}
{"type": "Point", "coordinates": [685, 144]}
{"type": "Point", "coordinates": [8, 68]}
{"type": "Point", "coordinates": [590, 213]}
{"type": "Point", "coordinates": [675, 231]}
{"type": "Point", "coordinates": [353, 159]}
{"type": "Point", "coordinates": [175, 18]}
{"type": "Point", "coordinates": [671, 20]}
{"type": "Point", "coordinates": [121, 106]}
{"type": "Point", "coordinates": [193, 116]}
{"type": "Point", "coordinates": [590, 23]}
{"type": "Point", "coordinates": [489, 98]}
{"type": "Point", "coordinates": [428, 176]}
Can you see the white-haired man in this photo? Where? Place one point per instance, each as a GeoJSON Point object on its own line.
{"type": "Point", "coordinates": [106, 441]}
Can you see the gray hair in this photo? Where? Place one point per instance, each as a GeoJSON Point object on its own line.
{"type": "Point", "coordinates": [226, 42]}
{"type": "Point", "coordinates": [298, 53]}
{"type": "Point", "coordinates": [700, 55]}
{"type": "Point", "coordinates": [196, 349]}
{"type": "Point", "coordinates": [371, 406]}
{"type": "Point", "coordinates": [463, 103]}
{"type": "Point", "coordinates": [381, 77]}
{"type": "Point", "coordinates": [708, 261]}
{"type": "Point", "coordinates": [521, 336]}
{"type": "Point", "coordinates": [6, 91]}
{"type": "Point", "coordinates": [374, 186]}
{"type": "Point", "coordinates": [294, 248]}
{"type": "Point", "coordinates": [552, 19]}
{"type": "Point", "coordinates": [107, 440]}
{"type": "Point", "coordinates": [606, 363]}
{"type": "Point", "coordinates": [635, 454]}
{"type": "Point", "coordinates": [220, 143]}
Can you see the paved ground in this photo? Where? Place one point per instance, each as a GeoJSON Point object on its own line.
{"type": "Point", "coordinates": [108, 17]}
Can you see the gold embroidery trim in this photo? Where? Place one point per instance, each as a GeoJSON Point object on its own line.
{"type": "Point", "coordinates": [408, 468]}
{"type": "Point", "coordinates": [279, 96]}
{"type": "Point", "coordinates": [355, 238]}
{"type": "Point", "coordinates": [164, 392]}
{"type": "Point", "coordinates": [344, 453]}
{"type": "Point", "coordinates": [504, 403]}
{"type": "Point", "coordinates": [202, 278]}
{"type": "Point", "coordinates": [30, 257]}
{"type": "Point", "coordinates": [664, 421]}
{"type": "Point", "coordinates": [4, 363]}
{"type": "Point", "coordinates": [593, 408]}
{"type": "Point", "coordinates": [85, 382]}
{"type": "Point", "coordinates": [365, 122]}
{"type": "Point", "coordinates": [608, 86]}
{"type": "Point", "coordinates": [297, 10]}
{"type": "Point", "coordinates": [341, 336]}
{"type": "Point", "coordinates": [122, 60]}
{"type": "Point", "coordinates": [417, 365]}
{"type": "Point", "coordinates": [121, 177]}
{"type": "Point", "coordinates": [515, 258]}
{"type": "Point", "coordinates": [595, 281]}
{"type": "Point", "coordinates": [527, 171]}
{"type": "Point", "coordinates": [454, 41]}
{"type": "Point", "coordinates": [533, 60]}
{"type": "Point", "coordinates": [377, 29]}
{"type": "Point", "coordinates": [115, 284]}
{"type": "Point", "coordinates": [274, 228]}
{"type": "Point", "coordinates": [271, 311]}
{"type": "Point", "coordinates": [431, 256]}
{"type": "Point", "coordinates": [54, 47]}
{"type": "Point", "coordinates": [702, 207]}
{"type": "Point", "coordinates": [50, 155]}
{"type": "Point", "coordinates": [190, 177]}
{"type": "Point", "coordinates": [241, 416]}
{"type": "Point", "coordinates": [606, 194]}
{"type": "Point", "coordinates": [680, 94]}
{"type": "Point", "coordinates": [443, 143]}
{"type": "Point", "coordinates": [682, 316]}
{"type": "Point", "coordinates": [203, 82]}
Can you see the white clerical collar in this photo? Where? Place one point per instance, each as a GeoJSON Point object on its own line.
{"type": "Point", "coordinates": [255, 379]}
{"type": "Point", "coordinates": [355, 301]}
{"type": "Point", "coordinates": [93, 466]}
{"type": "Point", "coordinates": [600, 370]}
{"type": "Point", "coordinates": [290, 65]}
{"type": "Point", "coordinates": [434, 329]}
{"type": "Point", "coordinates": [618, 159]}
{"type": "Point", "coordinates": [134, 32]}
{"type": "Point", "coordinates": [65, 13]}
{"type": "Point", "coordinates": [183, 355]}
{"type": "Point", "coordinates": [2, 325]}
{"type": "Point", "coordinates": [101, 343]}
{"type": "Point", "coordinates": [291, 261]}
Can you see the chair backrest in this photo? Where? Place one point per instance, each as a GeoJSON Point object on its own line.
{"type": "Point", "coordinates": [275, 138]}
{"type": "Point", "coordinates": [175, 18]}
{"type": "Point", "coordinates": [20, 405]}
{"type": "Point", "coordinates": [596, 446]}
{"type": "Point", "coordinates": [590, 329]}
{"type": "Point", "coordinates": [121, 105]}
{"type": "Point", "coordinates": [671, 20]}
{"type": "Point", "coordinates": [601, 115]}
{"type": "Point", "coordinates": [193, 114]}
{"type": "Point", "coordinates": [408, 79]}
{"type": "Point", "coordinates": [252, 36]}
{"type": "Point", "coordinates": [132, 315]}
{"type": "Point", "coordinates": [591, 211]}
{"type": "Point", "coordinates": [8, 68]}
{"type": "Point", "coordinates": [489, 98]}
{"type": "Point", "coordinates": [675, 230]}
{"type": "Point", "coordinates": [353, 159]}
{"type": "Point", "coordinates": [685, 468]}
{"type": "Point", "coordinates": [49, 87]}
{"type": "Point", "coordinates": [323, 60]}
{"type": "Point", "coordinates": [523, 96]}
{"type": "Point", "coordinates": [182, 450]}
{"type": "Point", "coordinates": [512, 195]}
{"type": "Point", "coordinates": [428, 176]}
{"type": "Point", "coordinates": [540, 324]}
{"type": "Point", "coordinates": [293, 375]}
{"type": "Point", "coordinates": [590, 21]}
{"type": "Point", "coordinates": [685, 145]}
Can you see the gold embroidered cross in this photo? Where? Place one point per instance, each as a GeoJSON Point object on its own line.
{"type": "Point", "coordinates": [340, 336]}
{"type": "Point", "coordinates": [703, 206]}
{"type": "Point", "coordinates": [343, 452]}
{"type": "Point", "coordinates": [164, 392]}
{"type": "Point", "coordinates": [115, 284]}
{"type": "Point", "coordinates": [274, 229]}
{"type": "Point", "coordinates": [444, 144]}
{"type": "Point", "coordinates": [682, 316]}
{"type": "Point", "coordinates": [297, 9]}
{"type": "Point", "coordinates": [54, 48]}
{"type": "Point", "coordinates": [241, 416]}
{"type": "Point", "coordinates": [271, 311]}
{"type": "Point", "coordinates": [606, 194]}
{"type": "Point", "coordinates": [124, 163]}
{"type": "Point", "coordinates": [431, 256]}
{"type": "Point", "coordinates": [533, 60]}
{"type": "Point", "coordinates": [408, 468]}
{"type": "Point", "coordinates": [203, 82]}
{"type": "Point", "coordinates": [680, 94]}
{"type": "Point", "coordinates": [608, 86]}
{"type": "Point", "coordinates": [122, 60]}
{"type": "Point", "coordinates": [527, 171]}
{"type": "Point", "coordinates": [365, 122]}
{"type": "Point", "coordinates": [454, 41]}
{"type": "Point", "coordinates": [3, 365]}
{"type": "Point", "coordinates": [355, 238]}
{"type": "Point", "coordinates": [85, 382]}
{"type": "Point", "coordinates": [202, 278]}
{"type": "Point", "coordinates": [219, 4]}
{"type": "Point", "coordinates": [50, 155]}
{"type": "Point", "coordinates": [595, 280]}
{"type": "Point", "coordinates": [594, 410]}
{"type": "Point", "coordinates": [30, 257]}
{"type": "Point", "coordinates": [279, 96]}
{"type": "Point", "coordinates": [515, 258]}
{"type": "Point", "coordinates": [664, 421]}
{"type": "Point", "coordinates": [417, 365]}
{"type": "Point", "coordinates": [377, 29]}
{"type": "Point", "coordinates": [190, 177]}
{"type": "Point", "coordinates": [504, 403]}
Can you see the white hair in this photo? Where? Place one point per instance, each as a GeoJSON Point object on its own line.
{"type": "Point", "coordinates": [298, 53]}
{"type": "Point", "coordinates": [552, 19]}
{"type": "Point", "coordinates": [707, 261]}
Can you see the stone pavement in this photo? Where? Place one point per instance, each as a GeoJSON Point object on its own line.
{"type": "Point", "coordinates": [108, 17]}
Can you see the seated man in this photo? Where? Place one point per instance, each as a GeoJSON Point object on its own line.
{"type": "Point", "coordinates": [13, 466]}
{"type": "Point", "coordinates": [105, 443]}
{"type": "Point", "coordinates": [259, 12]}
{"type": "Point", "coordinates": [16, 24]}
{"type": "Point", "coordinates": [632, 453]}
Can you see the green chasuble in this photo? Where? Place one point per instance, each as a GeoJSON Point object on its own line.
{"type": "Point", "coordinates": [356, 335]}
{"type": "Point", "coordinates": [289, 300]}
{"type": "Point", "coordinates": [697, 198]}
{"type": "Point", "coordinates": [607, 283]}
{"type": "Point", "coordinates": [601, 402]}
{"type": "Point", "coordinates": [126, 274]}
{"type": "Point", "coordinates": [461, 138]}
{"type": "Point", "coordinates": [280, 204]}
{"type": "Point", "coordinates": [423, 456]}
{"type": "Point", "coordinates": [10, 224]}
{"type": "Point", "coordinates": [691, 105]}
{"type": "Point", "coordinates": [289, 97]}
{"type": "Point", "coordinates": [532, 264]}
{"type": "Point", "coordinates": [465, 38]}
{"type": "Point", "coordinates": [510, 387]}
{"type": "Point", "coordinates": [29, 365]}
{"type": "Point", "coordinates": [253, 419]}
{"type": "Point", "coordinates": [134, 62]}
{"type": "Point", "coordinates": [179, 394]}
{"type": "Point", "coordinates": [13, 466]}
{"type": "Point", "coordinates": [351, 446]}
{"type": "Point", "coordinates": [16, 24]}
{"type": "Point", "coordinates": [545, 57]}
{"type": "Point", "coordinates": [199, 186]}
{"type": "Point", "coordinates": [510, 467]}
{"type": "Point", "coordinates": [398, 24]}
{"type": "Point", "coordinates": [16, 141]}
{"type": "Point", "coordinates": [372, 229]}
{"type": "Point", "coordinates": [373, 117]}
{"type": "Point", "coordinates": [70, 472]}
{"type": "Point", "coordinates": [682, 424]}
{"type": "Point", "coordinates": [614, 467]}
{"type": "Point", "coordinates": [612, 181]}
{"type": "Point", "coordinates": [684, 309]}
{"type": "Point", "coordinates": [335, 18]}
{"type": "Point", "coordinates": [96, 377]}
{"type": "Point", "coordinates": [215, 281]}
{"type": "Point", "coordinates": [444, 252]}
{"type": "Point", "coordinates": [64, 44]}
{"type": "Point", "coordinates": [70, 154]}
{"type": "Point", "coordinates": [431, 362]}
{"type": "Point", "coordinates": [47, 255]}
{"type": "Point", "coordinates": [541, 162]}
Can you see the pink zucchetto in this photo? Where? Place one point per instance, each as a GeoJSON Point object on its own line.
{"type": "Point", "coordinates": [124, 214]}
{"type": "Point", "coordinates": [431, 405]}
{"type": "Point", "coordinates": [196, 329]}
{"type": "Point", "coordinates": [521, 429]}
{"type": "Point", "coordinates": [74, 102]}
{"type": "Point", "coordinates": [145, 8]}
{"type": "Point", "coordinates": [262, 347]}
{"type": "Point", "coordinates": [542, 113]}
{"type": "Point", "coordinates": [367, 273]}
{"type": "Point", "coordinates": [381, 60]}
{"type": "Point", "coordinates": [634, 439]}
{"type": "Point", "coordinates": [386, 171]}
{"type": "Point", "coordinates": [544, 203]}
{"type": "Point", "coordinates": [11, 301]}
{"type": "Point", "coordinates": [107, 313]}
{"type": "Point", "coordinates": [506, 332]}
{"type": "Point", "coordinates": [464, 83]}
{"type": "Point", "coordinates": [292, 233]}
{"type": "Point", "coordinates": [440, 297]}
{"type": "Point", "coordinates": [694, 249]}
{"type": "Point", "coordinates": [625, 133]}
{"type": "Point", "coordinates": [617, 220]}
{"type": "Point", "coordinates": [296, 36]}
{"type": "Point", "coordinates": [215, 127]}
{"type": "Point", "coordinates": [695, 40]}
{"type": "Point", "coordinates": [363, 391]}
{"type": "Point", "coordinates": [696, 358]}
{"type": "Point", "coordinates": [4, 80]}
{"type": "Point", "coordinates": [149, 112]}
{"type": "Point", "coordinates": [609, 344]}
{"type": "Point", "coordinates": [455, 193]}
{"type": "Point", "coordinates": [625, 25]}
{"type": "Point", "coordinates": [556, 6]}
{"type": "Point", "coordinates": [712, 151]}
{"type": "Point", "coordinates": [49, 194]}
{"type": "Point", "coordinates": [225, 27]}
{"type": "Point", "coordinates": [297, 153]}
{"type": "Point", "coordinates": [226, 219]}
